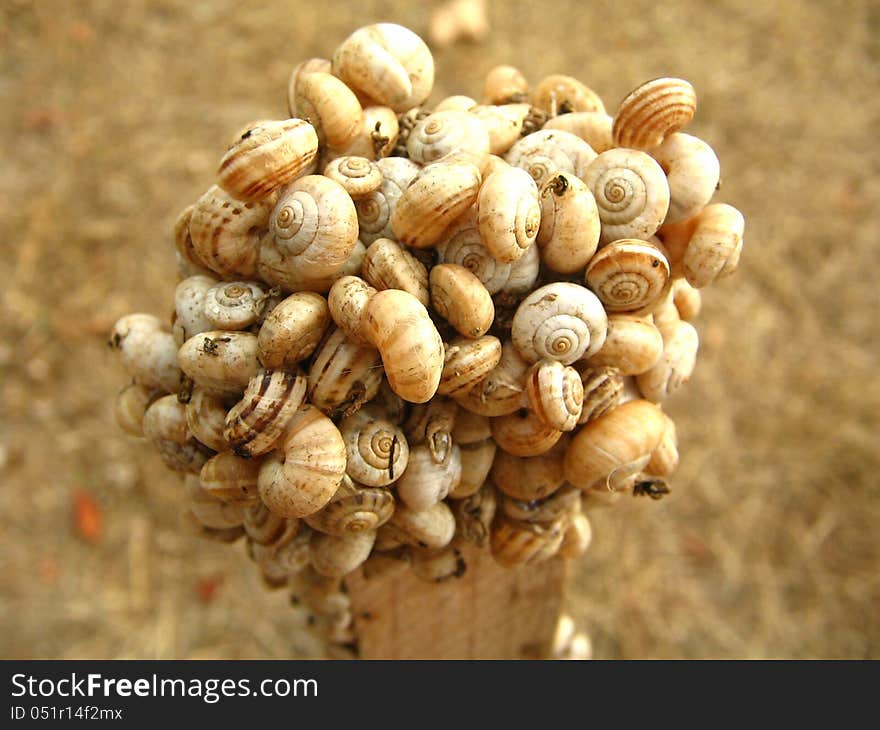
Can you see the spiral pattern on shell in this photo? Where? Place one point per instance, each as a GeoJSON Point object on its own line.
{"type": "Point", "coordinates": [550, 151]}
{"type": "Point", "coordinates": [234, 306]}
{"type": "Point", "coordinates": [376, 449]}
{"type": "Point", "coordinates": [555, 394]}
{"type": "Point", "coordinates": [374, 210]}
{"type": "Point", "coordinates": [356, 509]}
{"type": "Point", "coordinates": [444, 134]}
{"type": "Point", "coordinates": [466, 249]}
{"type": "Point", "coordinates": [358, 175]}
{"type": "Point", "coordinates": [653, 111]}
{"type": "Point", "coordinates": [628, 275]}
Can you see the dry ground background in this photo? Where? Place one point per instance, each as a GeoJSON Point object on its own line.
{"type": "Point", "coordinates": [114, 115]}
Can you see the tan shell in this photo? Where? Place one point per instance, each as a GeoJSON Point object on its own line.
{"type": "Point", "coordinates": [336, 556]}
{"type": "Point", "coordinates": [687, 299]}
{"type": "Point", "coordinates": [353, 509]}
{"type": "Point", "coordinates": [437, 566]}
{"type": "Point", "coordinates": [310, 65]}
{"type": "Point", "coordinates": [293, 330]}
{"type": "Point", "coordinates": [220, 361]}
{"type": "Point", "coordinates": [374, 210]}
{"type": "Point", "coordinates": [562, 503]}
{"type": "Point", "coordinates": [611, 450]}
{"type": "Point", "coordinates": [131, 404]}
{"type": "Point", "coordinates": [504, 124]}
{"type": "Point", "coordinates": [508, 213]}
{"type": "Point", "coordinates": [267, 155]}
{"type": "Point", "coordinates": [263, 526]}
{"type": "Point", "coordinates": [503, 85]}
{"type": "Point", "coordinates": [714, 249]}
{"type": "Point", "coordinates": [226, 232]}
{"type": "Point", "coordinates": [631, 193]}
{"type": "Point", "coordinates": [555, 394]}
{"type": "Point", "coordinates": [426, 481]}
{"type": "Point", "coordinates": [188, 261]}
{"type": "Point", "coordinates": [165, 428]}
{"type": "Point", "coordinates": [347, 301]}
{"type": "Point", "coordinates": [433, 201]}
{"type": "Point", "coordinates": [467, 362]}
{"type": "Point", "coordinates": [652, 111]}
{"type": "Point", "coordinates": [344, 375]}
{"type": "Point", "coordinates": [475, 515]}
{"type": "Point", "coordinates": [524, 434]}
{"type": "Point", "coordinates": [206, 418]}
{"type": "Point", "coordinates": [692, 171]}
{"type": "Point", "coordinates": [230, 478]}
{"type": "Point", "coordinates": [358, 175]}
{"type": "Point", "coordinates": [466, 249]}
{"type": "Point", "coordinates": [455, 103]}
{"type": "Point", "coordinates": [431, 424]}
{"type": "Point", "coordinates": [387, 265]}
{"type": "Point", "coordinates": [502, 391]}
{"type": "Point", "coordinates": [258, 421]}
{"type": "Point", "coordinates": [548, 152]}
{"type": "Point", "coordinates": [561, 321]}
{"type": "Point", "coordinates": [633, 345]}
{"type": "Point", "coordinates": [449, 136]}
{"type": "Point", "coordinates": [577, 538]}
{"type": "Point", "coordinates": [329, 105]}
{"type": "Point", "coordinates": [286, 555]}
{"type": "Point", "coordinates": [433, 527]}
{"type": "Point", "coordinates": [629, 275]}
{"type": "Point", "coordinates": [210, 512]}
{"type": "Point", "coordinates": [189, 307]}
{"type": "Point", "coordinates": [532, 478]}
{"type": "Point", "coordinates": [460, 298]}
{"type": "Point", "coordinates": [147, 352]}
{"type": "Point", "coordinates": [559, 94]}
{"type": "Point", "coordinates": [603, 387]}
{"type": "Point", "coordinates": [375, 138]}
{"type": "Point", "coordinates": [570, 226]}
{"type": "Point", "coordinates": [524, 543]}
{"type": "Point", "coordinates": [476, 461]}
{"type": "Point", "coordinates": [412, 353]}
{"type": "Point", "coordinates": [234, 305]}
{"type": "Point", "coordinates": [376, 449]}
{"type": "Point", "coordinates": [301, 476]}
{"type": "Point", "coordinates": [592, 127]}
{"type": "Point", "coordinates": [675, 365]}
{"type": "Point", "coordinates": [664, 460]}
{"type": "Point", "coordinates": [388, 63]}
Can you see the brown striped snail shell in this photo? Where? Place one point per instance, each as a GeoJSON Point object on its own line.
{"type": "Point", "coordinates": [292, 330]}
{"type": "Point", "coordinates": [555, 394]}
{"type": "Point", "coordinates": [358, 175]}
{"type": "Point", "coordinates": [570, 226]}
{"type": "Point", "coordinates": [230, 478]}
{"type": "Point", "coordinates": [388, 265]}
{"type": "Point", "coordinates": [206, 418]}
{"type": "Point", "coordinates": [675, 365]}
{"type": "Point", "coordinates": [347, 301]}
{"type": "Point", "coordinates": [220, 361]}
{"type": "Point", "coordinates": [592, 127]}
{"type": "Point", "coordinates": [652, 111]}
{"type": "Point", "coordinates": [508, 213]}
{"type": "Point", "coordinates": [502, 391]}
{"type": "Point", "coordinates": [267, 155]}
{"type": "Point", "coordinates": [374, 210]}
{"type": "Point", "coordinates": [467, 362]}
{"type": "Point", "coordinates": [603, 387]}
{"type": "Point", "coordinates": [524, 543]}
{"type": "Point", "coordinates": [329, 105]}
{"type": "Point", "coordinates": [460, 298]}
{"type": "Point", "coordinates": [531, 478]}
{"type": "Point", "coordinates": [263, 526]}
{"type": "Point", "coordinates": [336, 556]}
{"type": "Point", "coordinates": [504, 125]}
{"type": "Point", "coordinates": [559, 94]}
{"type": "Point", "coordinates": [388, 63]}
{"type": "Point", "coordinates": [631, 193]}
{"type": "Point", "coordinates": [523, 434]}
{"type": "Point", "coordinates": [475, 514]}
{"type": "Point", "coordinates": [426, 481]}
{"type": "Point", "coordinates": [234, 305]}
{"type": "Point", "coordinates": [447, 136]}
{"type": "Point", "coordinates": [353, 509]}
{"type": "Point", "coordinates": [437, 566]}
{"type": "Point", "coordinates": [258, 421]}
{"type": "Point", "coordinates": [165, 428]}
{"type": "Point", "coordinates": [692, 171]}
{"type": "Point", "coordinates": [310, 65]}
{"type": "Point", "coordinates": [504, 84]}
{"type": "Point", "coordinates": [148, 353]}
{"type": "Point", "coordinates": [714, 248]}
{"type": "Point", "coordinates": [344, 375]}
{"type": "Point", "coordinates": [303, 474]}
{"type": "Point", "coordinates": [687, 299]}
{"type": "Point", "coordinates": [629, 275]}
{"type": "Point", "coordinates": [189, 307]}
{"type": "Point", "coordinates": [377, 450]}
{"type": "Point", "coordinates": [633, 345]}
{"type": "Point", "coordinates": [433, 527]}
{"type": "Point", "coordinates": [548, 152]}
{"type": "Point", "coordinates": [561, 504]}
{"type": "Point", "coordinates": [131, 405]}
{"type": "Point", "coordinates": [561, 321]}
{"type": "Point", "coordinates": [577, 538]}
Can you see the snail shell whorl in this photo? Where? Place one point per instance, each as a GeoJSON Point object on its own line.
{"type": "Point", "coordinates": [603, 387]}
{"type": "Point", "coordinates": [374, 210]}
{"type": "Point", "coordinates": [229, 477]}
{"type": "Point", "coordinates": [524, 434]}
{"type": "Point", "coordinates": [548, 152]}
{"type": "Point", "coordinates": [330, 106]}
{"type": "Point", "coordinates": [508, 213]}
{"type": "Point", "coordinates": [592, 127]}
{"type": "Point", "coordinates": [292, 330]}
{"type": "Point", "coordinates": [206, 418]}
{"type": "Point", "coordinates": [234, 305]}
{"type": "Point", "coordinates": [427, 481]}
{"type": "Point", "coordinates": [353, 509]}
{"type": "Point", "coordinates": [555, 394]}
{"type": "Point", "coordinates": [445, 135]}
{"type": "Point", "coordinates": [466, 249]}
{"type": "Point", "coordinates": [358, 175]}
{"type": "Point", "coordinates": [521, 543]}
{"type": "Point", "coordinates": [377, 450]}
{"type": "Point", "coordinates": [262, 525]}
{"type": "Point", "coordinates": [653, 111]}
{"type": "Point", "coordinates": [310, 65]}
{"type": "Point", "coordinates": [629, 275]}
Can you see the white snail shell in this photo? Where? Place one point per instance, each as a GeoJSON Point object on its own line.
{"type": "Point", "coordinates": [555, 394]}
{"type": "Point", "coordinates": [445, 136]}
{"type": "Point", "coordinates": [508, 213]}
{"type": "Point", "coordinates": [234, 305]}
{"type": "Point", "coordinates": [548, 152]}
{"type": "Point", "coordinates": [570, 226]}
{"type": "Point", "coordinates": [692, 171]}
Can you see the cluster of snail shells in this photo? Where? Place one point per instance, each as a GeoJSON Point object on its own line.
{"type": "Point", "coordinates": [400, 329]}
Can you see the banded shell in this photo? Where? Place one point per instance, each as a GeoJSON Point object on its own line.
{"type": "Point", "coordinates": [426, 481]}
{"type": "Point", "coordinates": [502, 391]}
{"type": "Point", "coordinates": [474, 515]}
{"type": "Point", "coordinates": [377, 451]}
{"type": "Point", "coordinates": [675, 365]}
{"type": "Point", "coordinates": [344, 375]}
{"type": "Point", "coordinates": [449, 136]}
{"type": "Point", "coordinates": [258, 421]}
{"type": "Point", "coordinates": [353, 509]}
{"type": "Point", "coordinates": [147, 352]}
{"type": "Point", "coordinates": [188, 261]}
{"type": "Point", "coordinates": [267, 155]}
{"type": "Point", "coordinates": [508, 213]}
{"type": "Point", "coordinates": [433, 527]}
{"type": "Point", "coordinates": [524, 543]}
{"type": "Point", "coordinates": [460, 298]}
{"type": "Point", "coordinates": [220, 361]}
{"type": "Point", "coordinates": [633, 345]}
{"type": "Point", "coordinates": [692, 171]}
{"type": "Point", "coordinates": [301, 476]}
{"type": "Point", "coordinates": [714, 248]}
{"type": "Point", "coordinates": [387, 265]}
{"type": "Point", "coordinates": [131, 404]}
{"type": "Point", "coordinates": [329, 105]}
{"type": "Point", "coordinates": [561, 321]}
{"type": "Point", "coordinates": [189, 307]}
{"type": "Point", "coordinates": [234, 306]}
{"type": "Point", "coordinates": [531, 478]}
{"type": "Point", "coordinates": [603, 387]}
{"type": "Point", "coordinates": [631, 193]}
{"type": "Point", "coordinates": [336, 556]}
{"type": "Point", "coordinates": [164, 426]}
{"type": "Point", "coordinates": [374, 210]}
{"type": "Point", "coordinates": [503, 85]}
{"type": "Point", "coordinates": [467, 362]}
{"type": "Point", "coordinates": [208, 511]}
{"type": "Point", "coordinates": [524, 434]}
{"type": "Point", "coordinates": [347, 301]}
{"type": "Point", "coordinates": [292, 330]}
{"type": "Point", "coordinates": [559, 94]}
{"type": "Point", "coordinates": [570, 226]}
{"type": "Point", "coordinates": [206, 418]}
{"type": "Point", "coordinates": [629, 275]}
{"type": "Point", "coordinates": [555, 394]}
{"type": "Point", "coordinates": [358, 175]}
{"type": "Point", "coordinates": [230, 478]}
{"type": "Point", "coordinates": [310, 65]}
{"type": "Point", "coordinates": [652, 111]}
{"type": "Point", "coordinates": [592, 127]}
{"type": "Point", "coordinates": [548, 152]}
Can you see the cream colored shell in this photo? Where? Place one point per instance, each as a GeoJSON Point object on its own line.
{"type": "Point", "coordinates": [570, 226]}
{"type": "Point", "coordinates": [460, 298]}
{"type": "Point", "coordinates": [508, 213]}
{"type": "Point", "coordinates": [629, 275]}
{"type": "Point", "coordinates": [652, 111]}
{"type": "Point", "coordinates": [377, 450]}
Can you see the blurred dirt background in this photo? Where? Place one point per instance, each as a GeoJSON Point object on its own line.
{"type": "Point", "coordinates": [114, 116]}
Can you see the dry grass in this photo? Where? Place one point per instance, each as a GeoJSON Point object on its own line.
{"type": "Point", "coordinates": [113, 118]}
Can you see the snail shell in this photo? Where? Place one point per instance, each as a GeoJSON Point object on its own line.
{"type": "Point", "coordinates": [377, 450]}
{"type": "Point", "coordinates": [558, 94]}
{"type": "Point", "coordinates": [524, 543]}
{"type": "Point", "coordinates": [165, 427]}
{"type": "Point", "coordinates": [385, 565]}
{"type": "Point", "coordinates": [714, 249]}
{"type": "Point", "coordinates": [475, 514]}
{"type": "Point", "coordinates": [353, 509]}
{"type": "Point", "coordinates": [460, 298]}
{"type": "Point", "coordinates": [267, 155]}
{"type": "Point", "coordinates": [427, 481]}
{"type": "Point", "coordinates": [652, 111]}
{"type": "Point", "coordinates": [692, 171]}
{"type": "Point", "coordinates": [376, 137]}
{"type": "Point", "coordinates": [263, 526]}
{"type": "Point", "coordinates": [467, 362]}
{"type": "Point", "coordinates": [631, 193]}
{"type": "Point", "coordinates": [629, 275]}
{"type": "Point", "coordinates": [374, 210]}
{"type": "Point", "coordinates": [388, 63]}
{"type": "Point", "coordinates": [555, 394]}
{"type": "Point", "coordinates": [226, 232]}
{"type": "Point", "coordinates": [664, 460]}
{"type": "Point", "coordinates": [208, 511]}
{"type": "Point", "coordinates": [531, 478]}
{"type": "Point", "coordinates": [466, 249]}
{"type": "Point", "coordinates": [286, 555]}
{"type": "Point", "coordinates": [189, 307]}
{"type": "Point", "coordinates": [633, 345]}
{"type": "Point", "coordinates": [610, 451]}
{"type": "Point", "coordinates": [188, 261]}
{"type": "Point", "coordinates": [206, 418]}
{"type": "Point", "coordinates": [455, 103]}
{"type": "Point", "coordinates": [344, 375]}
{"type": "Point", "coordinates": [257, 422]}
{"type": "Point", "coordinates": [504, 84]}
{"type": "Point", "coordinates": [476, 461]}
{"type": "Point", "coordinates": [322, 594]}
{"type": "Point", "coordinates": [387, 265]}
{"type": "Point", "coordinates": [347, 301]}
{"type": "Point", "coordinates": [686, 298]}
{"type": "Point", "coordinates": [548, 152]}
{"type": "Point", "coordinates": [234, 306]}
{"type": "Point", "coordinates": [131, 404]}
{"type": "Point", "coordinates": [561, 321]}
{"type": "Point", "coordinates": [302, 475]}
{"type": "Point", "coordinates": [399, 326]}
{"type": "Point", "coordinates": [220, 361]}
{"type": "Point", "coordinates": [523, 272]}
{"type": "Point", "coordinates": [148, 353]}
{"type": "Point", "coordinates": [502, 391]}
{"type": "Point", "coordinates": [310, 65]}
{"type": "Point", "coordinates": [433, 201]}
{"type": "Point", "coordinates": [577, 538]}
{"type": "Point", "coordinates": [432, 423]}
{"type": "Point", "coordinates": [336, 556]}
{"type": "Point", "coordinates": [508, 213]}
{"type": "Point", "coordinates": [292, 330]}
{"type": "Point", "coordinates": [193, 525]}
{"type": "Point", "coordinates": [592, 127]}
{"type": "Point", "coordinates": [675, 365]}
{"type": "Point", "coordinates": [524, 434]}
{"type": "Point", "coordinates": [358, 175]}
{"type": "Point", "coordinates": [504, 125]}
{"type": "Point", "coordinates": [437, 566]}
{"type": "Point", "coordinates": [570, 226]}
{"type": "Point", "coordinates": [603, 387]}
{"type": "Point", "coordinates": [433, 527]}
{"type": "Point", "coordinates": [449, 136]}
{"type": "Point", "coordinates": [230, 478]}
{"type": "Point", "coordinates": [562, 503]}
{"type": "Point", "coordinates": [329, 105]}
